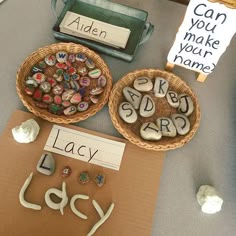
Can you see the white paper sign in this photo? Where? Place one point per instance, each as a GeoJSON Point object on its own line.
{"type": "Point", "coordinates": [85, 147]}
{"type": "Point", "coordinates": [204, 35]}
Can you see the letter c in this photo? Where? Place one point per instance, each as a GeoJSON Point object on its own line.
{"type": "Point", "coordinates": [195, 10]}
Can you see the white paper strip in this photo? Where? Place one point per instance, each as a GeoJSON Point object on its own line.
{"type": "Point", "coordinates": [86, 27]}
{"type": "Point", "coordinates": [85, 147]}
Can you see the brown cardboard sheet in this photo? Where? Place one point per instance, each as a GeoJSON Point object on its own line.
{"type": "Point", "coordinates": [133, 188]}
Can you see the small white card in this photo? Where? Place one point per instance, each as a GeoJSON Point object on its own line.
{"type": "Point", "coordinates": [85, 147]}
{"type": "Point", "coordinates": [86, 27]}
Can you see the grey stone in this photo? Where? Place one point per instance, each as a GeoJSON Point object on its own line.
{"type": "Point", "coordinates": [166, 126]}
{"type": "Point", "coordinates": [160, 87]}
{"type": "Point", "coordinates": [132, 96]}
{"type": "Point", "coordinates": [181, 123]}
{"type": "Point", "coordinates": [147, 106]}
{"type": "Point", "coordinates": [149, 131]}
{"type": "Point", "coordinates": [143, 84]}
{"type": "Point", "coordinates": [127, 112]}
{"type": "Point", "coordinates": [186, 104]}
{"type": "Point", "coordinates": [46, 164]}
{"type": "Point", "coordinates": [172, 98]}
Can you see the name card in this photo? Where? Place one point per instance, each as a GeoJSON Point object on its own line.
{"type": "Point", "coordinates": [85, 147]}
{"type": "Point", "coordinates": [203, 37]}
{"type": "Point", "coordinates": [85, 27]}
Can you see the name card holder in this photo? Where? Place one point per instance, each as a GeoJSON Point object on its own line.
{"type": "Point", "coordinates": [199, 41]}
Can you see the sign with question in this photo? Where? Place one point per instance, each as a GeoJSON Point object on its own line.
{"type": "Point", "coordinates": [203, 37]}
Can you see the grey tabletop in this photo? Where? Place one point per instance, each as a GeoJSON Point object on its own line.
{"type": "Point", "coordinates": [209, 158]}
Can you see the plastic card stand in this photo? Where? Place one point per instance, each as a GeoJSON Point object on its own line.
{"type": "Point", "coordinates": [111, 13]}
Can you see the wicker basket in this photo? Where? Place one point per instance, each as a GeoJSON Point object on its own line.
{"type": "Point", "coordinates": [38, 56]}
{"type": "Point", "coordinates": [131, 131]}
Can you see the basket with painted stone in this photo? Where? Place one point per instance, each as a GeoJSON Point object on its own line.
{"type": "Point", "coordinates": [154, 109]}
{"type": "Point", "coordinates": [64, 83]}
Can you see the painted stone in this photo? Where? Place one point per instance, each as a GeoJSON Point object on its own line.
{"type": "Point", "coordinates": [67, 95]}
{"type": "Point", "coordinates": [45, 87]}
{"type": "Point", "coordinates": [39, 77]}
{"type": "Point", "coordinates": [76, 98]}
{"type": "Point", "coordinates": [47, 98]}
{"type": "Point", "coordinates": [62, 56]}
{"type": "Point", "coordinates": [38, 94]}
{"type": "Point", "coordinates": [82, 91]}
{"type": "Point", "coordinates": [68, 63]}
{"type": "Point", "coordinates": [31, 83]}
{"type": "Point", "coordinates": [66, 104]}
{"type": "Point", "coordinates": [60, 65]}
{"type": "Point", "coordinates": [58, 78]}
{"type": "Point", "coordinates": [95, 73]}
{"type": "Point", "coordinates": [132, 96]}
{"type": "Point", "coordinates": [57, 99]}
{"type": "Point", "coordinates": [149, 131]}
{"type": "Point", "coordinates": [46, 164]}
{"type": "Point", "coordinates": [50, 60]}
{"type": "Point", "coordinates": [100, 179]}
{"type": "Point", "coordinates": [172, 99]}
{"type": "Point", "coordinates": [147, 106]}
{"type": "Point", "coordinates": [127, 112]}
{"type": "Point", "coordinates": [74, 85]}
{"type": "Point", "coordinates": [75, 77]}
{"type": "Point", "coordinates": [29, 91]}
{"type": "Point", "coordinates": [80, 57]}
{"type": "Point", "coordinates": [52, 81]}
{"type": "Point", "coordinates": [66, 77]}
{"type": "Point", "coordinates": [71, 71]}
{"type": "Point", "coordinates": [36, 69]}
{"type": "Point", "coordinates": [70, 110]}
{"type": "Point", "coordinates": [41, 105]}
{"type": "Point", "coordinates": [66, 172]}
{"type": "Point", "coordinates": [143, 84]}
{"type": "Point", "coordinates": [101, 81]}
{"type": "Point", "coordinates": [71, 57]}
{"type": "Point", "coordinates": [166, 126]}
{"type": "Point", "coordinates": [93, 99]}
{"type": "Point", "coordinates": [186, 105]}
{"type": "Point", "coordinates": [82, 106]}
{"type": "Point", "coordinates": [82, 70]}
{"type": "Point", "coordinates": [66, 85]}
{"type": "Point", "coordinates": [181, 123]}
{"type": "Point", "coordinates": [160, 87]}
{"type": "Point", "coordinates": [59, 72]}
{"type": "Point", "coordinates": [96, 91]}
{"type": "Point", "coordinates": [42, 64]}
{"type": "Point", "coordinates": [84, 177]}
{"type": "Point", "coordinates": [57, 89]}
{"type": "Point", "coordinates": [90, 63]}
{"type": "Point", "coordinates": [55, 109]}
{"type": "Point", "coordinates": [84, 81]}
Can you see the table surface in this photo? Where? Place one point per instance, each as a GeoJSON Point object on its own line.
{"type": "Point", "coordinates": [208, 159]}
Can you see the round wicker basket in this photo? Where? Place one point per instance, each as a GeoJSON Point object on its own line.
{"type": "Point", "coordinates": [131, 131]}
{"type": "Point", "coordinates": [39, 55]}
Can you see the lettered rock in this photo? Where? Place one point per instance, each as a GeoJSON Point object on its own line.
{"type": "Point", "coordinates": [181, 123]}
{"type": "Point", "coordinates": [147, 106]}
{"type": "Point", "coordinates": [149, 131]}
{"type": "Point", "coordinates": [160, 87]}
{"type": "Point", "coordinates": [166, 126]}
{"type": "Point", "coordinates": [186, 105]}
{"type": "Point", "coordinates": [127, 112]}
{"type": "Point", "coordinates": [132, 96]}
{"type": "Point", "coordinates": [172, 98]}
{"type": "Point", "coordinates": [143, 84]}
{"type": "Point", "coordinates": [62, 56]}
{"type": "Point", "coordinates": [46, 164]}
